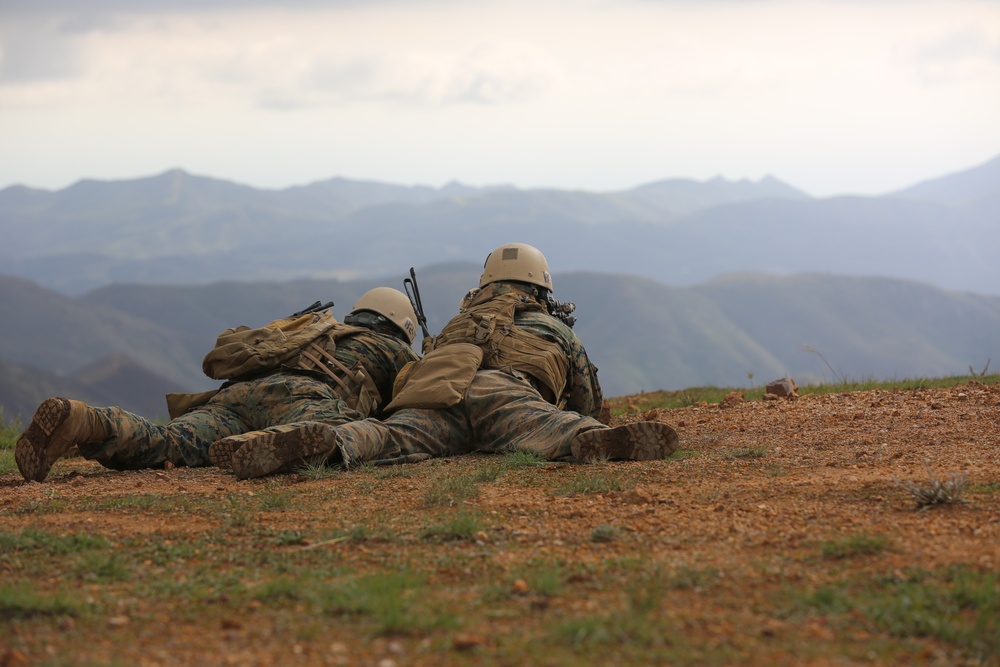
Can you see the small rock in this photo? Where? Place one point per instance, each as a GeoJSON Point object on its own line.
{"type": "Point", "coordinates": [637, 496]}
{"type": "Point", "coordinates": [731, 400]}
{"type": "Point", "coordinates": [785, 388]}
{"type": "Point", "coordinates": [467, 641]}
{"type": "Point", "coordinates": [521, 587]}
{"type": "Point", "coordinates": [13, 658]}
{"type": "Point", "coordinates": [118, 621]}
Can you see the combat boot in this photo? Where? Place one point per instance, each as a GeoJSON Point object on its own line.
{"type": "Point", "coordinates": [277, 449]}
{"type": "Point", "coordinates": [220, 452]}
{"type": "Point", "coordinates": [638, 441]}
{"type": "Point", "coordinates": [58, 424]}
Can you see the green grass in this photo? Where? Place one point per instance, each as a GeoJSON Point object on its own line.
{"type": "Point", "coordinates": [745, 453]}
{"type": "Point", "coordinates": [859, 544]}
{"type": "Point", "coordinates": [461, 525]}
{"type": "Point", "coordinates": [8, 439]}
{"type": "Point", "coordinates": [22, 601]}
{"type": "Point", "coordinates": [451, 488]}
{"type": "Point", "coordinates": [958, 605]}
{"type": "Point", "coordinates": [695, 395]}
{"type": "Point", "coordinates": [589, 481]}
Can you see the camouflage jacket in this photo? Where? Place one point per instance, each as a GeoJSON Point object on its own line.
{"type": "Point", "coordinates": [381, 356]}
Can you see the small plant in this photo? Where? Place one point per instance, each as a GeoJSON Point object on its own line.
{"type": "Point", "coordinates": [23, 602]}
{"type": "Point", "coordinates": [590, 481]}
{"type": "Point", "coordinates": [542, 577]}
{"type": "Point", "coordinates": [605, 533]}
{"type": "Point", "coordinates": [462, 526]}
{"type": "Point", "coordinates": [451, 490]}
{"type": "Point", "coordinates": [746, 453]}
{"type": "Point", "coordinates": [290, 538]}
{"type": "Point", "coordinates": [689, 578]}
{"type": "Point", "coordinates": [488, 473]}
{"type": "Point", "coordinates": [522, 459]}
{"type": "Point", "coordinates": [317, 471]}
{"type": "Point", "coordinates": [936, 491]}
{"type": "Point", "coordinates": [856, 545]}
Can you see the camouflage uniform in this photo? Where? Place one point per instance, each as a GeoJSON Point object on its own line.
{"type": "Point", "coordinates": [282, 397]}
{"type": "Point", "coordinates": [502, 410]}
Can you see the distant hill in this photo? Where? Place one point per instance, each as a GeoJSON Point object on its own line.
{"type": "Point", "coordinates": [737, 330]}
{"type": "Point", "coordinates": [113, 381]}
{"type": "Point", "coordinates": [59, 334]}
{"type": "Point", "coordinates": [177, 228]}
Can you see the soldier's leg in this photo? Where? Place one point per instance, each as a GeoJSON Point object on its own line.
{"type": "Point", "coordinates": [137, 443]}
{"type": "Point", "coordinates": [119, 439]}
{"type": "Point", "coordinates": [280, 408]}
{"type": "Point", "coordinates": [411, 433]}
{"type": "Point", "coordinates": [509, 414]}
{"type": "Point", "coordinates": [287, 398]}
{"type": "Point", "coordinates": [57, 425]}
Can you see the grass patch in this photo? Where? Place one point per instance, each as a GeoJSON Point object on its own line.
{"type": "Point", "coordinates": [643, 402]}
{"type": "Point", "coordinates": [396, 601]}
{"type": "Point", "coordinates": [522, 459]}
{"type": "Point", "coordinates": [451, 489]}
{"type": "Point", "coordinates": [636, 626]}
{"type": "Point", "coordinates": [859, 544]}
{"type": "Point", "coordinates": [23, 602]}
{"type": "Point", "coordinates": [958, 605]}
{"type": "Point", "coordinates": [589, 481]}
{"type": "Point", "coordinates": [692, 578]}
{"type": "Point", "coordinates": [57, 545]}
{"type": "Point", "coordinates": [461, 525]}
{"type": "Point", "coordinates": [745, 453]}
{"type": "Point", "coordinates": [605, 533]}
{"type": "Point", "coordinates": [315, 471]}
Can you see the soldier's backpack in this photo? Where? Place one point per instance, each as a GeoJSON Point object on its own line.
{"type": "Point", "coordinates": [489, 324]}
{"type": "Point", "coordinates": [244, 352]}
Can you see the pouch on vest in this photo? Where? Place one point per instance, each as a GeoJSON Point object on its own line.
{"type": "Point", "coordinates": [439, 380]}
{"type": "Point", "coordinates": [178, 404]}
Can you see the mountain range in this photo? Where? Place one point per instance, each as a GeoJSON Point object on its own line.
{"type": "Point", "coordinates": [112, 292]}
{"type": "Point", "coordinates": [177, 228]}
{"type": "Point", "coordinates": [129, 344]}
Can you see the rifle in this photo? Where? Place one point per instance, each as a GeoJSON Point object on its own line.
{"type": "Point", "coordinates": [314, 308]}
{"type": "Point", "coordinates": [561, 310]}
{"type": "Point", "coordinates": [413, 292]}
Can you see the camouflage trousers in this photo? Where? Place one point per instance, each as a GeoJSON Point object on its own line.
{"type": "Point", "coordinates": [501, 412]}
{"type": "Point", "coordinates": [282, 398]}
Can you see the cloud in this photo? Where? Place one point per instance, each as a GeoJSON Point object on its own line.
{"type": "Point", "coordinates": [491, 73]}
{"type": "Point", "coordinates": [959, 56]}
{"type": "Point", "coordinates": [29, 56]}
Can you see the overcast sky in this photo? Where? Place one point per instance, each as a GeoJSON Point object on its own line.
{"type": "Point", "coordinates": [847, 97]}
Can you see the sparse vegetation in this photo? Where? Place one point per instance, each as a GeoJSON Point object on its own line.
{"type": "Point", "coordinates": [708, 557]}
{"type": "Point", "coordinates": [860, 544]}
{"type": "Point", "coordinates": [645, 401]}
{"type": "Point", "coordinates": [936, 491]}
{"type": "Point", "coordinates": [589, 481]}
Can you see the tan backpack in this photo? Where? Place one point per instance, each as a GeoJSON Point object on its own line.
{"type": "Point", "coordinates": [242, 351]}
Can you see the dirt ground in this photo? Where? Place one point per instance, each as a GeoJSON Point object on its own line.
{"type": "Point", "coordinates": [773, 512]}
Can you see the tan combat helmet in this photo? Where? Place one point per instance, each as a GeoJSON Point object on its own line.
{"type": "Point", "coordinates": [517, 261]}
{"type": "Point", "coordinates": [391, 304]}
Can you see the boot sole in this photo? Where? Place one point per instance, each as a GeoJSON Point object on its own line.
{"type": "Point", "coordinates": [31, 452]}
{"type": "Point", "coordinates": [220, 452]}
{"type": "Point", "coordinates": [638, 441]}
{"type": "Point", "coordinates": [274, 451]}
